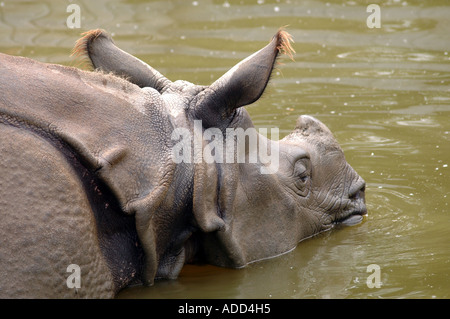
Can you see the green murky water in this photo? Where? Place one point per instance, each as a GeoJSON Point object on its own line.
{"type": "Point", "coordinates": [384, 92]}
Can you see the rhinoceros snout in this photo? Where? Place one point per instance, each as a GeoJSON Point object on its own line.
{"type": "Point", "coordinates": [356, 208]}
{"type": "Point", "coordinates": [357, 195]}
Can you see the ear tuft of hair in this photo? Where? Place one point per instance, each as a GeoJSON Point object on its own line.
{"type": "Point", "coordinates": [81, 48]}
{"type": "Point", "coordinates": [284, 46]}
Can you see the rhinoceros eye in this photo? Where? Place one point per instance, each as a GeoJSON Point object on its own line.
{"type": "Point", "coordinates": [302, 175]}
{"type": "Point", "coordinates": [304, 178]}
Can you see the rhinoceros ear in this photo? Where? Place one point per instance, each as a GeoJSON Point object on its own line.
{"type": "Point", "coordinates": [104, 55]}
{"type": "Point", "coordinates": [241, 85]}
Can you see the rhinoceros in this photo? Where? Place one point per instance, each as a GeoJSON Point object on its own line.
{"type": "Point", "coordinates": [101, 186]}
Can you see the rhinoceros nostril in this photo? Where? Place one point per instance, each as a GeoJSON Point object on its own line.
{"type": "Point", "coordinates": [357, 190]}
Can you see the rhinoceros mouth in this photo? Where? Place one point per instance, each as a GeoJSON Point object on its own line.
{"type": "Point", "coordinates": [352, 218]}
{"type": "Point", "coordinates": [355, 209]}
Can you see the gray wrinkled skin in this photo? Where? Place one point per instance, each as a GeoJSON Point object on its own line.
{"type": "Point", "coordinates": [87, 175]}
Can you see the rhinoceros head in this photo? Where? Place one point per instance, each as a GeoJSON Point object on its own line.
{"type": "Point", "coordinates": [253, 200]}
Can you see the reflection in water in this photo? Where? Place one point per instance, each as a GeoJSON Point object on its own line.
{"type": "Point", "coordinates": [383, 92]}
